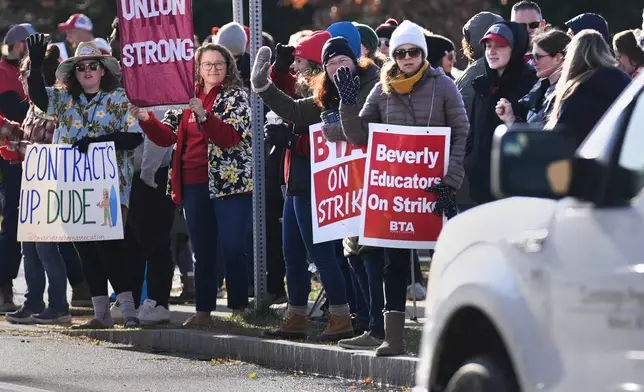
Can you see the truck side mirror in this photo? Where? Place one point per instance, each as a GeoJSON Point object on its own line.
{"type": "Point", "coordinates": [528, 161]}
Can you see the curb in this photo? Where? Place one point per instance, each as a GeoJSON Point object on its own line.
{"type": "Point", "coordinates": [331, 361]}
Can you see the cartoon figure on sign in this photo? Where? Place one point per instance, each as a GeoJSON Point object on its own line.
{"type": "Point", "coordinates": [105, 205]}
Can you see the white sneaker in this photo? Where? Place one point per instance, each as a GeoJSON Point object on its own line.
{"type": "Point", "coordinates": [115, 312]}
{"type": "Point", "coordinates": [150, 313]}
{"type": "Point", "coordinates": [417, 291]}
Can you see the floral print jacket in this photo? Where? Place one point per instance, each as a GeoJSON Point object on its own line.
{"type": "Point", "coordinates": [230, 169]}
{"type": "Point", "coordinates": [105, 113]}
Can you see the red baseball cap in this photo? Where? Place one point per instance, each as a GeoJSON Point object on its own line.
{"type": "Point", "coordinates": [499, 33]}
{"type": "Point", "coordinates": [310, 47]}
{"type": "Point", "coordinates": [77, 21]}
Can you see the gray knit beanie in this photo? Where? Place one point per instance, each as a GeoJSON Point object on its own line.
{"type": "Point", "coordinates": [232, 37]}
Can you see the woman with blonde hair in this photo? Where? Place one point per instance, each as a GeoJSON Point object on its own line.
{"type": "Point", "coordinates": [589, 84]}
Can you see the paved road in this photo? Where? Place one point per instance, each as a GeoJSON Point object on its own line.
{"type": "Point", "coordinates": [33, 362]}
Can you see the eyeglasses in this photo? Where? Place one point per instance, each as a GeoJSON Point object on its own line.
{"type": "Point", "coordinates": [219, 66]}
{"type": "Point", "coordinates": [386, 43]}
{"type": "Point", "coordinates": [413, 53]}
{"type": "Point", "coordinates": [84, 67]}
{"type": "Point", "coordinates": [532, 25]}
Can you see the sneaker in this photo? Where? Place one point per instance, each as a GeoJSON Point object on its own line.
{"type": "Point", "coordinates": [362, 342]}
{"type": "Point", "coordinates": [81, 296]}
{"type": "Point", "coordinates": [6, 300]}
{"type": "Point", "coordinates": [115, 312]}
{"type": "Point", "coordinates": [21, 316]}
{"type": "Point", "coordinates": [51, 317]}
{"type": "Point", "coordinates": [151, 314]}
{"type": "Point", "coordinates": [416, 291]}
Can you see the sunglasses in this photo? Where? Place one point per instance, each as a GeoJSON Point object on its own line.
{"type": "Point", "coordinates": [532, 25]}
{"type": "Point", "coordinates": [537, 57]}
{"type": "Point", "coordinates": [84, 67]}
{"type": "Point", "coordinates": [380, 43]}
{"type": "Point", "coordinates": [413, 53]}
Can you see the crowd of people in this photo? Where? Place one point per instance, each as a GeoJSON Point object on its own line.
{"type": "Point", "coordinates": [186, 175]}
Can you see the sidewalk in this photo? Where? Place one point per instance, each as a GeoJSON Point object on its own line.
{"type": "Point", "coordinates": [228, 340]}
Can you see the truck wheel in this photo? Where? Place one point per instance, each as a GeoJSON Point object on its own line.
{"type": "Point", "coordinates": [483, 374]}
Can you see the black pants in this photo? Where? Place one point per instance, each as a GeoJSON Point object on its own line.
{"type": "Point", "coordinates": [148, 237]}
{"type": "Point", "coordinates": [103, 261]}
{"type": "Point", "coordinates": [397, 264]}
{"type": "Point", "coordinates": [275, 268]}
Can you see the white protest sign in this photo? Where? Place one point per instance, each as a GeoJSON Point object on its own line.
{"type": "Point", "coordinates": [67, 196]}
{"type": "Point", "coordinates": [337, 176]}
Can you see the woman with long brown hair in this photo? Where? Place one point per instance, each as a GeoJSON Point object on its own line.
{"type": "Point", "coordinates": [298, 235]}
{"type": "Point", "coordinates": [211, 175]}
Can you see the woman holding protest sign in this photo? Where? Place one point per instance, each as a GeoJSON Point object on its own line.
{"type": "Point", "coordinates": [90, 107]}
{"type": "Point", "coordinates": [410, 93]}
{"type": "Point", "coordinates": [298, 235]}
{"type": "Point", "coordinates": [212, 175]}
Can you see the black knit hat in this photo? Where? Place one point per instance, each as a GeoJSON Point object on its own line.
{"type": "Point", "coordinates": [437, 45]}
{"type": "Point", "coordinates": [335, 47]}
{"type": "Point", "coordinates": [386, 29]}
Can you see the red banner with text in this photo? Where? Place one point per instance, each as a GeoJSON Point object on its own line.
{"type": "Point", "coordinates": [401, 163]}
{"type": "Point", "coordinates": [337, 176]}
{"type": "Point", "coordinates": [157, 51]}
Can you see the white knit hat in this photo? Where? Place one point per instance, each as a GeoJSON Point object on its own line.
{"type": "Point", "coordinates": [407, 33]}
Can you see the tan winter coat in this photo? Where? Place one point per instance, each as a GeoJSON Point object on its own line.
{"type": "Point", "coordinates": [434, 101]}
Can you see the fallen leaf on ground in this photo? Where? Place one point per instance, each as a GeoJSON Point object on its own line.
{"type": "Point", "coordinates": [252, 376]}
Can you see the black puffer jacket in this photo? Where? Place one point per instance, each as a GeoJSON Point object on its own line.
{"type": "Point", "coordinates": [517, 80]}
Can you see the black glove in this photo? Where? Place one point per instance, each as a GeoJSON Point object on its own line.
{"type": "Point", "coordinates": [446, 203]}
{"type": "Point", "coordinates": [279, 135]}
{"type": "Point", "coordinates": [348, 86]}
{"type": "Point", "coordinates": [283, 58]}
{"type": "Point", "coordinates": [83, 144]}
{"type": "Point", "coordinates": [37, 45]}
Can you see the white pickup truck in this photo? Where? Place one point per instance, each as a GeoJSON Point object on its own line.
{"type": "Point", "coordinates": [545, 291]}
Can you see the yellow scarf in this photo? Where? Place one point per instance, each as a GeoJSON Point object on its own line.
{"type": "Point", "coordinates": [403, 84]}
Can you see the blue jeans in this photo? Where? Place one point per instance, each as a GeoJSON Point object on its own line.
{"type": "Point", "coordinates": [10, 255]}
{"type": "Point", "coordinates": [213, 223]}
{"type": "Point", "coordinates": [357, 304]}
{"type": "Point", "coordinates": [44, 258]}
{"type": "Point", "coordinates": [72, 263]}
{"type": "Point", "coordinates": [298, 244]}
{"type": "Point", "coordinates": [369, 269]}
{"type": "Point", "coordinates": [234, 220]}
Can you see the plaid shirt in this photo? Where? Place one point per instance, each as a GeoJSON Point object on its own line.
{"type": "Point", "coordinates": [36, 129]}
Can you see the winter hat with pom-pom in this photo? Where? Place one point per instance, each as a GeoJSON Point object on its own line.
{"type": "Point", "coordinates": [386, 29]}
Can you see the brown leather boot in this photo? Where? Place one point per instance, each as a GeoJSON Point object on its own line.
{"type": "Point", "coordinates": [338, 328]}
{"type": "Point", "coordinates": [294, 328]}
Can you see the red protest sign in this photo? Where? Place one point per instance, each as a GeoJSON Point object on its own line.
{"type": "Point", "coordinates": [337, 177]}
{"type": "Point", "coordinates": [401, 163]}
{"type": "Point", "coordinates": [157, 51]}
